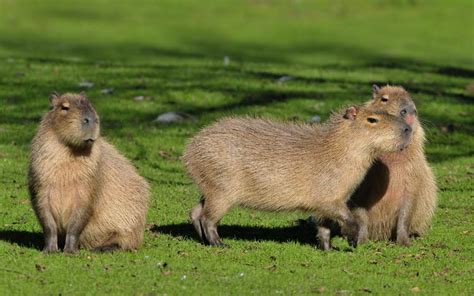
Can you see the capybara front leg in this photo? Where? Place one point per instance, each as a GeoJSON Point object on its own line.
{"type": "Point", "coordinates": [210, 232]}
{"type": "Point", "coordinates": [402, 232]}
{"type": "Point", "coordinates": [349, 225]}
{"type": "Point", "coordinates": [324, 237]}
{"type": "Point", "coordinates": [77, 223]}
{"type": "Point", "coordinates": [50, 231]}
{"type": "Point", "coordinates": [362, 219]}
{"type": "Point", "coordinates": [350, 229]}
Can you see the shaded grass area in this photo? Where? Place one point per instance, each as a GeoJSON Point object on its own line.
{"type": "Point", "coordinates": [173, 54]}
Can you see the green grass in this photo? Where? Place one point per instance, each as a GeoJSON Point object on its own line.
{"type": "Point", "coordinates": [173, 52]}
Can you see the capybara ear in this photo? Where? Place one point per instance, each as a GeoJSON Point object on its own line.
{"type": "Point", "coordinates": [351, 113]}
{"type": "Point", "coordinates": [375, 90]}
{"type": "Point", "coordinates": [53, 99]}
{"type": "Point", "coordinates": [83, 94]}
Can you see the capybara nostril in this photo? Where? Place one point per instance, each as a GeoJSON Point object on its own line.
{"type": "Point", "coordinates": [407, 130]}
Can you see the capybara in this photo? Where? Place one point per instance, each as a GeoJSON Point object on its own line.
{"type": "Point", "coordinates": [397, 197]}
{"type": "Point", "coordinates": [82, 189]}
{"type": "Point", "coordinates": [273, 166]}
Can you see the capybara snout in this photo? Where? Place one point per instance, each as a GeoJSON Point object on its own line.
{"type": "Point", "coordinates": [74, 120]}
{"type": "Point", "coordinates": [394, 100]}
{"type": "Point", "coordinates": [408, 113]}
{"type": "Point", "coordinates": [89, 124]}
{"type": "Point", "coordinates": [389, 133]}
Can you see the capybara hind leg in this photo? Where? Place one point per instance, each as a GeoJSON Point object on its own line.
{"type": "Point", "coordinates": [50, 231]}
{"type": "Point", "coordinates": [210, 232]}
{"type": "Point", "coordinates": [120, 241]}
{"type": "Point", "coordinates": [195, 216]}
{"type": "Point", "coordinates": [107, 248]}
{"type": "Point", "coordinates": [76, 225]}
{"type": "Point", "coordinates": [210, 217]}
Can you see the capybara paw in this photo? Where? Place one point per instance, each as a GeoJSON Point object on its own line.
{"type": "Point", "coordinates": [351, 231]}
{"type": "Point", "coordinates": [106, 248]}
{"type": "Point", "coordinates": [325, 246]}
{"type": "Point", "coordinates": [218, 243]}
{"type": "Point", "coordinates": [361, 240]}
{"type": "Point", "coordinates": [403, 240]}
{"type": "Point", "coordinates": [50, 249]}
{"type": "Point", "coordinates": [352, 242]}
{"type": "Point", "coordinates": [71, 250]}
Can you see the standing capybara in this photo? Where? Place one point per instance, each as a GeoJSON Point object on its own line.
{"type": "Point", "coordinates": [272, 166]}
{"type": "Point", "coordinates": [397, 198]}
{"type": "Point", "coordinates": [82, 189]}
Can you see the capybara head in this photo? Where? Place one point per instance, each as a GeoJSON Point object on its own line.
{"type": "Point", "coordinates": [382, 132]}
{"type": "Point", "coordinates": [73, 119]}
{"type": "Point", "coordinates": [395, 100]}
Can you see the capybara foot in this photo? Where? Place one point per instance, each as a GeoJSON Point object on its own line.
{"type": "Point", "coordinates": [361, 240]}
{"type": "Point", "coordinates": [210, 232]}
{"type": "Point", "coordinates": [214, 240]}
{"type": "Point", "coordinates": [324, 238]}
{"type": "Point", "coordinates": [71, 250]}
{"type": "Point", "coordinates": [217, 243]}
{"type": "Point", "coordinates": [106, 248]}
{"type": "Point", "coordinates": [50, 249]}
{"type": "Point", "coordinates": [363, 236]}
{"type": "Point", "coordinates": [351, 230]}
{"type": "Point", "coordinates": [403, 240]}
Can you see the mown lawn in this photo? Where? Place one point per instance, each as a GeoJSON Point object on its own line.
{"type": "Point", "coordinates": [214, 58]}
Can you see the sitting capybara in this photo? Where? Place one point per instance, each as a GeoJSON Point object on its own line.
{"type": "Point", "coordinates": [273, 166]}
{"type": "Point", "coordinates": [82, 189]}
{"type": "Point", "coordinates": [397, 198]}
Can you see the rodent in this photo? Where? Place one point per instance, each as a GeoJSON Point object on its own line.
{"type": "Point", "coordinates": [83, 191]}
{"type": "Point", "coordinates": [398, 196]}
{"type": "Point", "coordinates": [274, 166]}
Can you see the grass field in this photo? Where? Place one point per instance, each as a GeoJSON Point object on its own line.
{"type": "Point", "coordinates": [214, 58]}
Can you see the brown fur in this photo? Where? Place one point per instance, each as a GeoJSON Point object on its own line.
{"type": "Point", "coordinates": [82, 189]}
{"type": "Point", "coordinates": [273, 166]}
{"type": "Point", "coordinates": [397, 198]}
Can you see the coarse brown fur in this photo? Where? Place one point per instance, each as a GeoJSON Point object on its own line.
{"type": "Point", "coordinates": [267, 165]}
{"type": "Point", "coordinates": [82, 189]}
{"type": "Point", "coordinates": [397, 198]}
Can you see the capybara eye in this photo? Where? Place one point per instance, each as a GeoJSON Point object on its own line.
{"type": "Point", "coordinates": [403, 112]}
{"type": "Point", "coordinates": [384, 100]}
{"type": "Point", "coordinates": [372, 120]}
{"type": "Point", "coordinates": [65, 108]}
